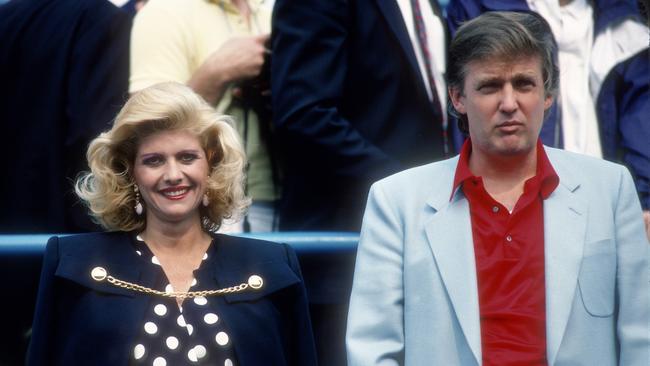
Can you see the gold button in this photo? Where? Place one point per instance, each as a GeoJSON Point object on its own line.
{"type": "Point", "coordinates": [98, 273]}
{"type": "Point", "coordinates": [255, 282]}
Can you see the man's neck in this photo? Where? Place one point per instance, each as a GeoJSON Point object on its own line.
{"type": "Point", "coordinates": [504, 176]}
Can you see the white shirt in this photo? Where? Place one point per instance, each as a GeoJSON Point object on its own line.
{"type": "Point", "coordinates": [584, 62]}
{"type": "Point", "coordinates": [436, 44]}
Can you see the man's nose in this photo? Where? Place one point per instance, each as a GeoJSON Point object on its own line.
{"type": "Point", "coordinates": [508, 99]}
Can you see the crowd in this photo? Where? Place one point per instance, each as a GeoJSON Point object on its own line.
{"type": "Point", "coordinates": [327, 96]}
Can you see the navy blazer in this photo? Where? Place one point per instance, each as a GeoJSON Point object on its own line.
{"type": "Point", "coordinates": [80, 321]}
{"type": "Point", "coordinates": [350, 107]}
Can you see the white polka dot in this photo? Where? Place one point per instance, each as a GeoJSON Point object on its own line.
{"type": "Point", "coordinates": [228, 362]}
{"type": "Point", "coordinates": [150, 328]}
{"type": "Point", "coordinates": [160, 309]}
{"type": "Point", "coordinates": [210, 318]}
{"type": "Point", "coordinates": [139, 237]}
{"type": "Point", "coordinates": [200, 351]}
{"type": "Point", "coordinates": [159, 361]}
{"type": "Point", "coordinates": [193, 282]}
{"type": "Point", "coordinates": [205, 256]}
{"type": "Point", "coordinates": [138, 351]}
{"type": "Point", "coordinates": [190, 329]}
{"type": "Point", "coordinates": [221, 338]}
{"type": "Point", "coordinates": [181, 321]}
{"type": "Point", "coordinates": [172, 342]}
{"type": "Point", "coordinates": [169, 288]}
{"type": "Point", "coordinates": [155, 260]}
{"type": "Point", "coordinates": [138, 252]}
{"type": "Point", "coordinates": [200, 300]}
{"type": "Point", "coordinates": [191, 354]}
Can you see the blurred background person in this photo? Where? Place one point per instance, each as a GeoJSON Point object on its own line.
{"type": "Point", "coordinates": [64, 77]}
{"type": "Point", "coordinates": [162, 179]}
{"type": "Point", "coordinates": [358, 94]}
{"type": "Point", "coordinates": [218, 48]}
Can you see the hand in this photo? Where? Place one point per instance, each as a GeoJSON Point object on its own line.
{"type": "Point", "coordinates": [646, 220]}
{"type": "Point", "coordinates": [237, 59]}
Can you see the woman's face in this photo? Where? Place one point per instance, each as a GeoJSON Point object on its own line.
{"type": "Point", "coordinates": [171, 171]}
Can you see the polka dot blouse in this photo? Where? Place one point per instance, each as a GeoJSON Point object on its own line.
{"type": "Point", "coordinates": [169, 335]}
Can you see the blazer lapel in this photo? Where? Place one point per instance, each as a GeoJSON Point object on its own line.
{"type": "Point", "coordinates": [565, 217]}
{"type": "Point", "coordinates": [449, 233]}
{"type": "Point", "coordinates": [393, 15]}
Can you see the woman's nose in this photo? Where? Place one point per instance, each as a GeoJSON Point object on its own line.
{"type": "Point", "coordinates": [173, 173]}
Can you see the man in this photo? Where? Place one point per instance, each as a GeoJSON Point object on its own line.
{"type": "Point", "coordinates": [357, 90]}
{"type": "Point", "coordinates": [216, 47]}
{"type": "Point", "coordinates": [595, 39]}
{"type": "Point", "coordinates": [511, 253]}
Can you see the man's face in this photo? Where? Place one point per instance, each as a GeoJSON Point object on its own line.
{"type": "Point", "coordinates": [504, 101]}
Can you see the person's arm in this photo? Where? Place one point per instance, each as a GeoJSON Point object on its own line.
{"type": "Point", "coordinates": [240, 58]}
{"type": "Point", "coordinates": [632, 277]}
{"type": "Point", "coordinates": [309, 69]}
{"type": "Point", "coordinates": [39, 352]}
{"type": "Point", "coordinates": [375, 329]}
{"type": "Point", "coordinates": [163, 49]}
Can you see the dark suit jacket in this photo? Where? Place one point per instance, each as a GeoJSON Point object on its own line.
{"type": "Point", "coordinates": [79, 321]}
{"type": "Point", "coordinates": [349, 107]}
{"type": "Point", "coordinates": [64, 69]}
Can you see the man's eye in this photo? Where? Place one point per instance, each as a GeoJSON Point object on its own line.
{"type": "Point", "coordinates": [488, 88]}
{"type": "Point", "coordinates": [525, 84]}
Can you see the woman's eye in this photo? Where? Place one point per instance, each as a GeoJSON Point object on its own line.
{"type": "Point", "coordinates": [152, 161]}
{"type": "Point", "coordinates": [188, 158]}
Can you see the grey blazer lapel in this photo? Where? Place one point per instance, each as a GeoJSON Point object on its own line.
{"type": "Point", "coordinates": [449, 233]}
{"type": "Point", "coordinates": [565, 221]}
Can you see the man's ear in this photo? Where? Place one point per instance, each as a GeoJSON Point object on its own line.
{"type": "Point", "coordinates": [457, 99]}
{"type": "Point", "coordinates": [548, 102]}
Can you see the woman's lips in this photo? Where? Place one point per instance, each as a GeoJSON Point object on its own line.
{"type": "Point", "coordinates": [175, 193]}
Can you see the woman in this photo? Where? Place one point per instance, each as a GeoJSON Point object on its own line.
{"type": "Point", "coordinates": [161, 288]}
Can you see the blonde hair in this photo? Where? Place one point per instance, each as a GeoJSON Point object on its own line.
{"type": "Point", "coordinates": [108, 189]}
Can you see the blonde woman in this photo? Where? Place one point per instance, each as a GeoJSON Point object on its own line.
{"type": "Point", "coordinates": [161, 288]}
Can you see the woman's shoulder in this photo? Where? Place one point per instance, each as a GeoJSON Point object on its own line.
{"type": "Point", "coordinates": [84, 244]}
{"type": "Point", "coordinates": [244, 249]}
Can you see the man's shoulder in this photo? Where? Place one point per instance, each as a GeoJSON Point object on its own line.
{"type": "Point", "coordinates": [566, 162]}
{"type": "Point", "coordinates": [426, 179]}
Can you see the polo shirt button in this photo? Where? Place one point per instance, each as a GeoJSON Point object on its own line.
{"type": "Point", "coordinates": [495, 209]}
{"type": "Point", "coordinates": [509, 238]}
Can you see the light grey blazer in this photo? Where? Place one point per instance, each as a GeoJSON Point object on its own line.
{"type": "Point", "coordinates": [415, 299]}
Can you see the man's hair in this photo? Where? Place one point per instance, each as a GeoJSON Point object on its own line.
{"type": "Point", "coordinates": [501, 36]}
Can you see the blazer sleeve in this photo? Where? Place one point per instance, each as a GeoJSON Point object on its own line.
{"type": "Point", "coordinates": [309, 71]}
{"type": "Point", "coordinates": [375, 330]}
{"type": "Point", "coordinates": [302, 348]}
{"type": "Point", "coordinates": [632, 278]}
{"type": "Point", "coordinates": [39, 352]}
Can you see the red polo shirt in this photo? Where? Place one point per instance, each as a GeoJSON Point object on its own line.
{"type": "Point", "coordinates": [509, 251]}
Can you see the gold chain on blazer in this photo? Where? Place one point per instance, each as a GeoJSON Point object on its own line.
{"type": "Point", "coordinates": [100, 274]}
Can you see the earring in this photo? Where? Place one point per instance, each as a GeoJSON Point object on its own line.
{"type": "Point", "coordinates": [206, 200]}
{"type": "Point", "coordinates": [138, 206]}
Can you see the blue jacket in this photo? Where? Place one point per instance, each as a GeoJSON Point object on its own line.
{"type": "Point", "coordinates": [79, 321]}
{"type": "Point", "coordinates": [624, 116]}
{"type": "Point", "coordinates": [349, 105]}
